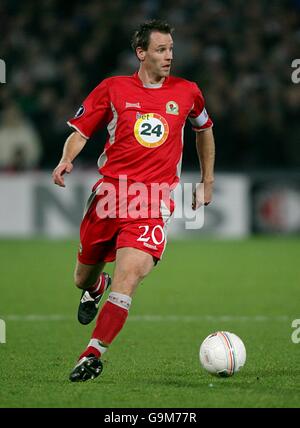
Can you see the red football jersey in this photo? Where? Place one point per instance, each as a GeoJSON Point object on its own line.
{"type": "Point", "coordinates": [145, 125]}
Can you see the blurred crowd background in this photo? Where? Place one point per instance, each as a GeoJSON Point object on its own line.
{"type": "Point", "coordinates": [239, 53]}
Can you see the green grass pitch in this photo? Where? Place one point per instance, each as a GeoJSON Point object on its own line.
{"type": "Point", "coordinates": [249, 287]}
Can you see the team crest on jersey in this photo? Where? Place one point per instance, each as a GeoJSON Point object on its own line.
{"type": "Point", "coordinates": [172, 107]}
{"type": "Point", "coordinates": [80, 112]}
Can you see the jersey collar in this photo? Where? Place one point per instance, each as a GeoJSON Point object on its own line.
{"type": "Point", "coordinates": [149, 86]}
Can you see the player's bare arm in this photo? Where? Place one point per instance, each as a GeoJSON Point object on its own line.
{"type": "Point", "coordinates": [73, 146]}
{"type": "Point", "coordinates": [205, 145]}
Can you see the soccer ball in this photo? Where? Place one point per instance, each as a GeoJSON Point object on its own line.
{"type": "Point", "coordinates": [222, 353]}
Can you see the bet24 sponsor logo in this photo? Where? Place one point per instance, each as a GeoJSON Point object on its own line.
{"type": "Point", "coordinates": [296, 73]}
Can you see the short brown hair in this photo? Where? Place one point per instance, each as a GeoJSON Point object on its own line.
{"type": "Point", "coordinates": [141, 37]}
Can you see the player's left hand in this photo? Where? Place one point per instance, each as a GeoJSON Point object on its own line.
{"type": "Point", "coordinates": [202, 195]}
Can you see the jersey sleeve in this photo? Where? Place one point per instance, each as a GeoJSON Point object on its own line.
{"type": "Point", "coordinates": [94, 112]}
{"type": "Point", "coordinates": [198, 116]}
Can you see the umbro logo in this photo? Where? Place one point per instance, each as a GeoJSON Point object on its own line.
{"type": "Point", "coordinates": [136, 105]}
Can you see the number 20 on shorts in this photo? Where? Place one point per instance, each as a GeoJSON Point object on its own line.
{"type": "Point", "coordinates": [157, 234]}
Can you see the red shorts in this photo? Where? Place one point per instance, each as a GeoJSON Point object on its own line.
{"type": "Point", "coordinates": [104, 230]}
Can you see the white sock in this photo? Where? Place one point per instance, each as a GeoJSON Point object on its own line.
{"type": "Point", "coordinates": [119, 299]}
{"type": "Point", "coordinates": [95, 343]}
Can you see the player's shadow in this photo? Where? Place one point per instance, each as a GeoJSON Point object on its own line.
{"type": "Point", "coordinates": [241, 380]}
{"type": "Point", "coordinates": [272, 372]}
{"type": "Point", "coordinates": [178, 383]}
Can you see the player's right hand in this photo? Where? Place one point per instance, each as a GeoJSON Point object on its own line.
{"type": "Point", "coordinates": [60, 170]}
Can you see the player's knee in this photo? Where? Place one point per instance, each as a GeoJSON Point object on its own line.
{"type": "Point", "coordinates": [140, 273]}
{"type": "Point", "coordinates": [79, 280]}
{"type": "Point", "coordinates": [131, 277]}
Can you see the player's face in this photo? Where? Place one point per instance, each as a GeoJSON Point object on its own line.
{"type": "Point", "coordinates": [159, 55]}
